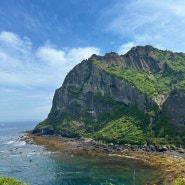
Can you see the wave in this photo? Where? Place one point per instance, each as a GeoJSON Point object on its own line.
{"type": "Point", "coordinates": [9, 142]}
{"type": "Point", "coordinates": [31, 154]}
{"type": "Point", "coordinates": [72, 172]}
{"type": "Point", "coordinates": [69, 173]}
{"type": "Point", "coordinates": [20, 143]}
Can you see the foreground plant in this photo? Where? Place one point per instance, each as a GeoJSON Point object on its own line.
{"type": "Point", "coordinates": [10, 181]}
{"type": "Point", "coordinates": [180, 181]}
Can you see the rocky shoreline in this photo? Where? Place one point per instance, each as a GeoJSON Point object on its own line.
{"type": "Point", "coordinates": [85, 144]}
{"type": "Point", "coordinates": [82, 144]}
{"type": "Point", "coordinates": [170, 159]}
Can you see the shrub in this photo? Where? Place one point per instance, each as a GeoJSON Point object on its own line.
{"type": "Point", "coordinates": [180, 181]}
{"type": "Point", "coordinates": [122, 131]}
{"type": "Point", "coordinates": [10, 181]}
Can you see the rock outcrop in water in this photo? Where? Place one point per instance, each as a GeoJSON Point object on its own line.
{"type": "Point", "coordinates": [143, 90]}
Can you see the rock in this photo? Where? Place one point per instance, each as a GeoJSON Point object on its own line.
{"type": "Point", "coordinates": [87, 140]}
{"type": "Point", "coordinates": [162, 149]}
{"type": "Point", "coordinates": [175, 105]}
{"type": "Point", "coordinates": [172, 148]}
{"type": "Point", "coordinates": [181, 151]}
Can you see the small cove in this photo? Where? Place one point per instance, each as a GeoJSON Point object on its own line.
{"type": "Point", "coordinates": [96, 170]}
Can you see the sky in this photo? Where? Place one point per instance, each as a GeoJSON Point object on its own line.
{"type": "Point", "coordinates": [42, 40]}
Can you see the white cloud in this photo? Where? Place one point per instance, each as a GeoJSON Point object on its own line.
{"type": "Point", "coordinates": [10, 38]}
{"type": "Point", "coordinates": [57, 57]}
{"type": "Point", "coordinates": [125, 48]}
{"type": "Point", "coordinates": [82, 53]}
{"type": "Point", "coordinates": [29, 77]}
{"type": "Point", "coordinates": [151, 22]}
{"type": "Point", "coordinates": [40, 66]}
{"type": "Point", "coordinates": [51, 55]}
{"type": "Point", "coordinates": [13, 41]}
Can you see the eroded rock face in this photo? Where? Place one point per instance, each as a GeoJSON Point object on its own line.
{"type": "Point", "coordinates": [175, 106]}
{"type": "Point", "coordinates": [85, 82]}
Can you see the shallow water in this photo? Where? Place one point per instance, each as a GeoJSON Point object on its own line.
{"type": "Point", "coordinates": [36, 166]}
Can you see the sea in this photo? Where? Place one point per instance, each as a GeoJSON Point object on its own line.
{"type": "Point", "coordinates": [35, 165]}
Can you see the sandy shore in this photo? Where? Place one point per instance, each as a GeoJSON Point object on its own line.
{"type": "Point", "coordinates": [171, 161]}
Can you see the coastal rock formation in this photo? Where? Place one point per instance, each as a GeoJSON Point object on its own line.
{"type": "Point", "coordinates": [145, 84]}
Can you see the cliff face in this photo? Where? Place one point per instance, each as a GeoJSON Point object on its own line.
{"type": "Point", "coordinates": [95, 92]}
{"type": "Point", "coordinates": [175, 106]}
{"type": "Point", "coordinates": [86, 84]}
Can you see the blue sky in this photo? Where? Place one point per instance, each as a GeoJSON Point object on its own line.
{"type": "Point", "coordinates": [42, 40]}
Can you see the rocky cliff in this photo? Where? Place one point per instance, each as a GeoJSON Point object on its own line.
{"type": "Point", "coordinates": [145, 86]}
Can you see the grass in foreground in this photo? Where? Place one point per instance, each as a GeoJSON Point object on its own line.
{"type": "Point", "coordinates": [10, 181]}
{"type": "Point", "coordinates": [180, 181]}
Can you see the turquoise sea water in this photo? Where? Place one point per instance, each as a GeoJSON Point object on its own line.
{"type": "Point", "coordinates": [36, 166]}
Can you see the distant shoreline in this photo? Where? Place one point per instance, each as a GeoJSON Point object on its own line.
{"type": "Point", "coordinates": [171, 160]}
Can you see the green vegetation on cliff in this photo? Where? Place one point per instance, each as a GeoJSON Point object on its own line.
{"type": "Point", "coordinates": [152, 84]}
{"type": "Point", "coordinates": [131, 126]}
{"type": "Point", "coordinates": [121, 131]}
